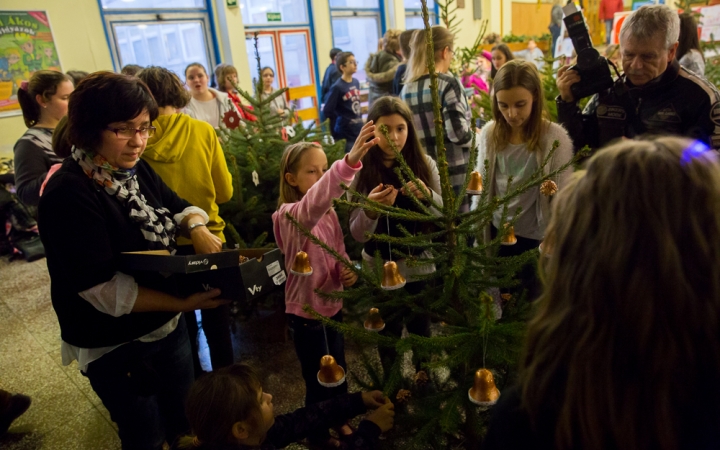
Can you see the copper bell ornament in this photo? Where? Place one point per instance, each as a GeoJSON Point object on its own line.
{"type": "Point", "coordinates": [374, 321]}
{"type": "Point", "coordinates": [391, 277]}
{"type": "Point", "coordinates": [509, 238]}
{"type": "Point", "coordinates": [301, 266]}
{"type": "Point", "coordinates": [484, 392]}
{"type": "Point", "coordinates": [330, 374]}
{"type": "Point", "coordinates": [475, 184]}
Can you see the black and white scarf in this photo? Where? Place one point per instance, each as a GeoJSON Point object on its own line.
{"type": "Point", "coordinates": [156, 224]}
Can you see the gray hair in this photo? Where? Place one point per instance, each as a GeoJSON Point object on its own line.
{"type": "Point", "coordinates": [651, 20]}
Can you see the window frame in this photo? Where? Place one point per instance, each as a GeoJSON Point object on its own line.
{"type": "Point", "coordinates": [415, 12]}
{"type": "Point", "coordinates": [148, 16]}
{"type": "Point", "coordinates": [308, 13]}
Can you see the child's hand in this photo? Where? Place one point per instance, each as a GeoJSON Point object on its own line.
{"type": "Point", "coordinates": [362, 145]}
{"type": "Point", "coordinates": [383, 417]}
{"type": "Point", "coordinates": [374, 399]}
{"type": "Point", "coordinates": [382, 195]}
{"type": "Point", "coordinates": [347, 276]}
{"type": "Point", "coordinates": [414, 190]}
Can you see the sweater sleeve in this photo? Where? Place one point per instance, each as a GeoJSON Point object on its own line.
{"type": "Point", "coordinates": [169, 198]}
{"type": "Point", "coordinates": [31, 167]}
{"type": "Point", "coordinates": [219, 170]}
{"type": "Point", "coordinates": [563, 154]}
{"type": "Point", "coordinates": [330, 108]}
{"type": "Point", "coordinates": [434, 186]}
{"type": "Point", "coordinates": [289, 428]}
{"type": "Point", "coordinates": [455, 114]}
{"type": "Point", "coordinates": [318, 199]}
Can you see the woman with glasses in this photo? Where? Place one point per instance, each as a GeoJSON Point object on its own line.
{"type": "Point", "coordinates": [127, 335]}
{"type": "Point", "coordinates": [186, 153]}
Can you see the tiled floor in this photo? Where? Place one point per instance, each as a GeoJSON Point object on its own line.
{"type": "Point", "coordinates": [65, 412]}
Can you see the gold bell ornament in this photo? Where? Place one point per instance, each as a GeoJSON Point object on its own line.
{"type": "Point", "coordinates": [301, 266]}
{"type": "Point", "coordinates": [475, 184]}
{"type": "Point", "coordinates": [374, 321]}
{"type": "Point", "coordinates": [509, 238]}
{"type": "Point", "coordinates": [330, 374]}
{"type": "Point", "coordinates": [484, 392]}
{"type": "Point", "coordinates": [391, 277]}
{"type": "Point", "coordinates": [548, 188]}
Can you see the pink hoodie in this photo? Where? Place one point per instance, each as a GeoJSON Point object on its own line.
{"type": "Point", "coordinates": [314, 212]}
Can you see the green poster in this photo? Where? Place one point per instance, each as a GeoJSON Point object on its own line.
{"type": "Point", "coordinates": [26, 46]}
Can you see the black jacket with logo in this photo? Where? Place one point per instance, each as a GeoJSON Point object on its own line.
{"type": "Point", "coordinates": [676, 103]}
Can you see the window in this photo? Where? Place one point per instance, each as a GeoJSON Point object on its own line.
{"type": "Point", "coordinates": [413, 14]}
{"type": "Point", "coordinates": [159, 33]}
{"type": "Point", "coordinates": [256, 12]}
{"type": "Point", "coordinates": [357, 28]}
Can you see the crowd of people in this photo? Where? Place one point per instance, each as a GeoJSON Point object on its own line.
{"type": "Point", "coordinates": [131, 162]}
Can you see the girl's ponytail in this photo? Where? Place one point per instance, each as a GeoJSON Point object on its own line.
{"type": "Point", "coordinates": [417, 64]}
{"type": "Point", "coordinates": [43, 83]}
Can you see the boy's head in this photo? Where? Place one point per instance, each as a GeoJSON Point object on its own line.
{"type": "Point", "coordinates": [346, 63]}
{"type": "Point", "coordinates": [334, 52]}
{"type": "Point", "coordinates": [228, 406]}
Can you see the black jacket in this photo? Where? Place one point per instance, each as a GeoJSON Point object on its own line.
{"type": "Point", "coordinates": [84, 230]}
{"type": "Point", "coordinates": [676, 103]}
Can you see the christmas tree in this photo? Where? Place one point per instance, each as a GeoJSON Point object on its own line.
{"type": "Point", "coordinates": [253, 146]}
{"type": "Point", "coordinates": [476, 327]}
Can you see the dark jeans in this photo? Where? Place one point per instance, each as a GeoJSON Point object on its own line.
{"type": "Point", "coordinates": [310, 346]}
{"type": "Point", "coordinates": [527, 275]}
{"type": "Point", "coordinates": [418, 324]}
{"type": "Point", "coordinates": [555, 32]}
{"type": "Point", "coordinates": [144, 385]}
{"type": "Point", "coordinates": [216, 325]}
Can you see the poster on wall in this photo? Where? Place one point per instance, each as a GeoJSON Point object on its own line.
{"type": "Point", "coordinates": [26, 46]}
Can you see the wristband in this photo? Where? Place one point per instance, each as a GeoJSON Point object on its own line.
{"type": "Point", "coordinates": [195, 225]}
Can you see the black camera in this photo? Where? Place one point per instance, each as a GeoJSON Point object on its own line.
{"type": "Point", "coordinates": [594, 69]}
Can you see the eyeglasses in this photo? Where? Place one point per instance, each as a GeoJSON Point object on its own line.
{"type": "Point", "coordinates": [129, 133]}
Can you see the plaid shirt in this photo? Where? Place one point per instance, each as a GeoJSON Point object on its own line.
{"type": "Point", "coordinates": [456, 119]}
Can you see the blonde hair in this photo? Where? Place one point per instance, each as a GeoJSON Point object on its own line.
{"type": "Point", "coordinates": [417, 63]}
{"type": "Point", "coordinates": [624, 342]}
{"type": "Point", "coordinates": [519, 73]}
{"type": "Point", "coordinates": [290, 163]}
{"type": "Point", "coordinates": [391, 41]}
{"type": "Point", "coordinates": [221, 73]}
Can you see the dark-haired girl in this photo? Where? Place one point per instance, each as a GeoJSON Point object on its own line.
{"type": "Point", "coordinates": [127, 335]}
{"type": "Point", "coordinates": [44, 101]}
{"type": "Point", "coordinates": [380, 183]}
{"type": "Point", "coordinates": [278, 105]}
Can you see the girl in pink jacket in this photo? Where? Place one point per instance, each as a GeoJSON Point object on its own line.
{"type": "Point", "coordinates": [306, 193]}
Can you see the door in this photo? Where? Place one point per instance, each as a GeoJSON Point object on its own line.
{"type": "Point", "coordinates": [288, 53]}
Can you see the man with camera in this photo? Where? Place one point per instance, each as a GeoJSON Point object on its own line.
{"type": "Point", "coordinates": [654, 95]}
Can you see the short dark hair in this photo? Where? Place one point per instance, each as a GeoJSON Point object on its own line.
{"type": "Point", "coordinates": [131, 69]}
{"type": "Point", "coordinates": [101, 99]}
{"type": "Point", "coordinates": [334, 52]}
{"type": "Point", "coordinates": [342, 58]}
{"type": "Point", "coordinates": [76, 75]}
{"type": "Point", "coordinates": [43, 83]}
{"type": "Point", "coordinates": [165, 86]}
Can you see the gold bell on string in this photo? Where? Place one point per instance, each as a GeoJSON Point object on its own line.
{"type": "Point", "coordinates": [475, 184]}
{"type": "Point", "coordinates": [484, 392]}
{"type": "Point", "coordinates": [391, 277]}
{"type": "Point", "coordinates": [548, 188]}
{"type": "Point", "coordinates": [509, 238]}
{"type": "Point", "coordinates": [301, 266]}
{"type": "Point", "coordinates": [374, 321]}
{"type": "Point", "coordinates": [330, 374]}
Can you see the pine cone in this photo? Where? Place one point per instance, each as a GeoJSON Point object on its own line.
{"type": "Point", "coordinates": [403, 396]}
{"type": "Point", "coordinates": [548, 188]}
{"type": "Point", "coordinates": [421, 377]}
{"type": "Point", "coordinates": [506, 296]}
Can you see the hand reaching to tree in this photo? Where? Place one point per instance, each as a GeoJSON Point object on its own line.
{"type": "Point", "coordinates": [382, 194]}
{"type": "Point", "coordinates": [362, 144]}
{"type": "Point", "coordinates": [347, 276]}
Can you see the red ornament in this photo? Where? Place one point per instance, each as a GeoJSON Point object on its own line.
{"type": "Point", "coordinates": [283, 134]}
{"type": "Point", "coordinates": [231, 119]}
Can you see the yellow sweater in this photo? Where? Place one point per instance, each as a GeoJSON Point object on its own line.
{"type": "Point", "coordinates": [186, 153]}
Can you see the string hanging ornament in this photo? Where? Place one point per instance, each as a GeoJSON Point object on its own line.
{"type": "Point", "coordinates": [331, 374]}
{"type": "Point", "coordinates": [391, 275]}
